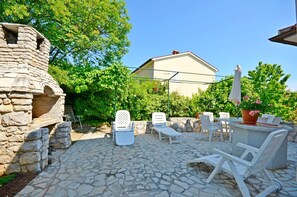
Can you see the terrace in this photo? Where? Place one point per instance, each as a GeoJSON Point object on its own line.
{"type": "Point", "coordinates": [95, 166]}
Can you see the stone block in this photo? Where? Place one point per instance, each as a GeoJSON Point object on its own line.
{"type": "Point", "coordinates": [11, 130]}
{"type": "Point", "coordinates": [15, 119]}
{"type": "Point", "coordinates": [10, 153]}
{"type": "Point", "coordinates": [30, 158]}
{"type": "Point", "coordinates": [65, 125]}
{"type": "Point", "coordinates": [44, 163]}
{"type": "Point", "coordinates": [3, 136]}
{"type": "Point", "coordinates": [14, 143]}
{"type": "Point", "coordinates": [32, 146]}
{"type": "Point", "coordinates": [45, 137]}
{"type": "Point", "coordinates": [34, 135]}
{"type": "Point", "coordinates": [20, 101]}
{"type": "Point", "coordinates": [5, 159]}
{"type": "Point", "coordinates": [4, 151]}
{"type": "Point", "coordinates": [16, 138]}
{"type": "Point", "coordinates": [2, 170]}
{"type": "Point", "coordinates": [33, 167]}
{"type": "Point", "coordinates": [20, 84]}
{"type": "Point", "coordinates": [3, 144]}
{"type": "Point", "coordinates": [15, 149]}
{"type": "Point", "coordinates": [61, 135]}
{"type": "Point", "coordinates": [6, 101]}
{"type": "Point", "coordinates": [6, 108]}
{"type": "Point", "coordinates": [6, 82]}
{"type": "Point", "coordinates": [44, 154]}
{"type": "Point", "coordinates": [45, 131]}
{"type": "Point", "coordinates": [11, 168]}
{"type": "Point", "coordinates": [64, 129]}
{"type": "Point", "coordinates": [22, 108]}
{"type": "Point", "coordinates": [24, 169]}
{"type": "Point", "coordinates": [1, 101]}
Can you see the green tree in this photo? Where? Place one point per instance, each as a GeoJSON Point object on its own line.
{"type": "Point", "coordinates": [269, 84]}
{"type": "Point", "coordinates": [146, 97]}
{"type": "Point", "coordinates": [94, 92]}
{"type": "Point", "coordinates": [179, 105]}
{"type": "Point", "coordinates": [93, 31]}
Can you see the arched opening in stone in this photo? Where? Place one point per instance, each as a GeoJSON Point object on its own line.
{"type": "Point", "coordinates": [46, 108]}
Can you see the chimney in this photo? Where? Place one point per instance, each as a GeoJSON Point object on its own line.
{"type": "Point", "coordinates": [175, 52]}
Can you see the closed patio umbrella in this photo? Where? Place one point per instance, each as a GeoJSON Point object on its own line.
{"type": "Point", "coordinates": [235, 94]}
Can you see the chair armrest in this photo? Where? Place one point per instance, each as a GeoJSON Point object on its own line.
{"type": "Point", "coordinates": [232, 158]}
{"type": "Point", "coordinates": [248, 147]}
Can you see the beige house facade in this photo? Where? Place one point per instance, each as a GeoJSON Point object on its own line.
{"type": "Point", "coordinates": [185, 71]}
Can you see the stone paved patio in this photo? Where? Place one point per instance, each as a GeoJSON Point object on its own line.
{"type": "Point", "coordinates": [94, 166]}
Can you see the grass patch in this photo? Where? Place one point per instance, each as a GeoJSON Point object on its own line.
{"type": "Point", "coordinates": [7, 178]}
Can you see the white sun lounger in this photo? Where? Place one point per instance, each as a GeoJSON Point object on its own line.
{"type": "Point", "coordinates": [159, 125]}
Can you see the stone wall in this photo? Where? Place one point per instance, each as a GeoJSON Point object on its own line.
{"type": "Point", "coordinates": [26, 152]}
{"type": "Point", "coordinates": [26, 50]}
{"type": "Point", "coordinates": [177, 123]}
{"type": "Point", "coordinates": [61, 139]}
{"type": "Point", "coordinates": [184, 124]}
{"type": "Point", "coordinates": [31, 101]}
{"type": "Point", "coordinates": [19, 142]}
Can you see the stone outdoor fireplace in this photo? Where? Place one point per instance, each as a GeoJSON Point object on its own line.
{"type": "Point", "coordinates": [31, 101]}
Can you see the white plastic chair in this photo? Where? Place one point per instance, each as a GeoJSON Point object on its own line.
{"type": "Point", "coordinates": [211, 128]}
{"type": "Point", "coordinates": [277, 120]}
{"type": "Point", "coordinates": [241, 169]}
{"type": "Point", "coordinates": [226, 123]}
{"type": "Point", "coordinates": [270, 118]}
{"type": "Point", "coordinates": [262, 119]}
{"type": "Point", "coordinates": [210, 114]}
{"type": "Point", "coordinates": [123, 131]}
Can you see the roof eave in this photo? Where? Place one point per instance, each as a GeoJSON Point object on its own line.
{"type": "Point", "coordinates": [284, 34]}
{"type": "Point", "coordinates": [142, 65]}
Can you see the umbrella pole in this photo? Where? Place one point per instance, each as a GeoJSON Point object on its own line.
{"type": "Point", "coordinates": [237, 111]}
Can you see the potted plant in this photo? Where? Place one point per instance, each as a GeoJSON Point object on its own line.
{"type": "Point", "coordinates": [250, 109]}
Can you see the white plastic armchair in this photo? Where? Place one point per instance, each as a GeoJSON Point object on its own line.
{"type": "Point", "coordinates": [226, 123]}
{"type": "Point", "coordinates": [241, 169]}
{"type": "Point", "coordinates": [123, 130]}
{"type": "Point", "coordinates": [210, 114]}
{"type": "Point", "coordinates": [206, 125]}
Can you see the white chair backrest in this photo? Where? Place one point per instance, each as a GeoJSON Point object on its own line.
{"type": "Point", "coordinates": [277, 120]}
{"type": "Point", "coordinates": [224, 115]}
{"type": "Point", "coordinates": [267, 150]}
{"type": "Point", "coordinates": [205, 122]}
{"type": "Point", "coordinates": [269, 116]}
{"type": "Point", "coordinates": [210, 114]}
{"type": "Point", "coordinates": [122, 119]}
{"type": "Point", "coordinates": [158, 118]}
{"type": "Point", "coordinates": [262, 119]}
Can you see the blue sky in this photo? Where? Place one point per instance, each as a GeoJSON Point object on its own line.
{"type": "Point", "coordinates": [223, 33]}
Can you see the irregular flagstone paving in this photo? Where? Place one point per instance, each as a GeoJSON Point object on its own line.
{"type": "Point", "coordinates": [97, 167]}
